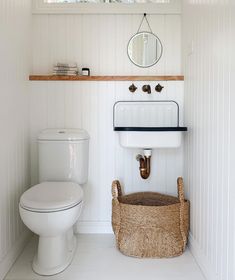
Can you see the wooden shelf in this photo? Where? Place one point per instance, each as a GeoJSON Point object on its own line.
{"type": "Point", "coordinates": [104, 78]}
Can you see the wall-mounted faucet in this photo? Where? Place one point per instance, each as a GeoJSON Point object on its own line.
{"type": "Point", "coordinates": [146, 88]}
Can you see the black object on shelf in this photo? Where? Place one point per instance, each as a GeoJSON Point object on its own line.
{"type": "Point", "coordinates": [86, 72]}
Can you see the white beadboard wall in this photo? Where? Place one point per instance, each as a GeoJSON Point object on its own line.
{"type": "Point", "coordinates": [15, 17]}
{"type": "Point", "coordinates": [89, 105]}
{"type": "Point", "coordinates": [209, 161]}
{"type": "Point", "coordinates": [100, 43]}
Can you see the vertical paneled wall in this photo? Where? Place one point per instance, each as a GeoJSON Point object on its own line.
{"type": "Point", "coordinates": [208, 58]}
{"type": "Point", "coordinates": [89, 105]}
{"type": "Point", "coordinates": [14, 125]}
{"type": "Point", "coordinates": [100, 42]}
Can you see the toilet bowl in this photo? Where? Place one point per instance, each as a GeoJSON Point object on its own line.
{"type": "Point", "coordinates": [50, 210]}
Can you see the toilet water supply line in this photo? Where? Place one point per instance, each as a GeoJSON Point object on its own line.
{"type": "Point", "coordinates": [145, 163]}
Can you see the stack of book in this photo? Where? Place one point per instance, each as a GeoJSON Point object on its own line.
{"type": "Point", "coordinates": [65, 69]}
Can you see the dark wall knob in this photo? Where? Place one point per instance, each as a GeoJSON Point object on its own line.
{"type": "Point", "coordinates": [159, 88]}
{"type": "Point", "coordinates": [132, 88]}
{"type": "Point", "coordinates": [146, 88]}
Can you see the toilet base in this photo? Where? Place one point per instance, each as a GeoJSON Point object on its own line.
{"type": "Point", "coordinates": [54, 254]}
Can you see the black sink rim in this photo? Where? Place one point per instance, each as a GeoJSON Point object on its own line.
{"type": "Point", "coordinates": [169, 128]}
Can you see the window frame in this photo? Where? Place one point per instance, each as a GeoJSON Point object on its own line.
{"type": "Point", "coordinates": [40, 7]}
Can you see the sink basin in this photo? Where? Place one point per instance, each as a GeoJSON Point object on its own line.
{"type": "Point", "coordinates": [150, 138]}
{"type": "Point", "coordinates": [148, 124]}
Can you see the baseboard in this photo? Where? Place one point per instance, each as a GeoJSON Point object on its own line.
{"type": "Point", "coordinates": [93, 227]}
{"type": "Point", "coordinates": [13, 254]}
{"type": "Point", "coordinates": [202, 260]}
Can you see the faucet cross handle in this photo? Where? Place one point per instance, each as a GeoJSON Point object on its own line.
{"type": "Point", "coordinates": [159, 88]}
{"type": "Point", "coordinates": [132, 88]}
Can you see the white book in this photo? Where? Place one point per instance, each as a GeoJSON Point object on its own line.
{"type": "Point", "coordinates": [63, 74]}
{"type": "Point", "coordinates": [66, 72]}
{"type": "Point", "coordinates": [58, 68]}
{"type": "Point", "coordinates": [59, 64]}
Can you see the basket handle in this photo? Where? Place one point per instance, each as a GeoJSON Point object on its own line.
{"type": "Point", "coordinates": [116, 189]}
{"type": "Point", "coordinates": [180, 185]}
{"type": "Point", "coordinates": [116, 192]}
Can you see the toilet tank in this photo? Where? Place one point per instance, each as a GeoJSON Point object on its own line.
{"type": "Point", "coordinates": [63, 155]}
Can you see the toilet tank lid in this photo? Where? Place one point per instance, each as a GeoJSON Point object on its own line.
{"type": "Point", "coordinates": [63, 134]}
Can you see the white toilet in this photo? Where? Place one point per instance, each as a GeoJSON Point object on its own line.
{"type": "Point", "coordinates": [51, 208]}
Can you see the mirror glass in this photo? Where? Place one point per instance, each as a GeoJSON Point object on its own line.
{"type": "Point", "coordinates": [144, 49]}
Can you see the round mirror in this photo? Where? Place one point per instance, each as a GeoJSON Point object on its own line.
{"type": "Point", "coordinates": [144, 49]}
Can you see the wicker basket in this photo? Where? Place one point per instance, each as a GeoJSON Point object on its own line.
{"type": "Point", "coordinates": [149, 224]}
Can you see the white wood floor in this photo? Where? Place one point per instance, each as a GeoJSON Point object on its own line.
{"type": "Point", "coordinates": [97, 258]}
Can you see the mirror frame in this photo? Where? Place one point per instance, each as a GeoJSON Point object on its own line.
{"type": "Point", "coordinates": [144, 32]}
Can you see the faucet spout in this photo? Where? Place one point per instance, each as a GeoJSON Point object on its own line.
{"type": "Point", "coordinates": [146, 88]}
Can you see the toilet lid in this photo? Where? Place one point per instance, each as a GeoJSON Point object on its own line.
{"type": "Point", "coordinates": [51, 196]}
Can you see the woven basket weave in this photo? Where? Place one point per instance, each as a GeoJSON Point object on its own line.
{"type": "Point", "coordinates": [149, 224]}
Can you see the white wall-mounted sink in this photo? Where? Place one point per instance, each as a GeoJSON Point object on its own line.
{"type": "Point", "coordinates": [148, 124]}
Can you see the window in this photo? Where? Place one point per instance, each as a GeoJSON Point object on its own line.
{"type": "Point", "coordinates": [107, 1]}
{"type": "Point", "coordinates": [106, 6]}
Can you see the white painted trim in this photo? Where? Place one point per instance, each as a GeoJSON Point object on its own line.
{"type": "Point", "coordinates": [202, 259]}
{"type": "Point", "coordinates": [11, 257]}
{"type": "Point", "coordinates": [39, 7]}
{"type": "Point", "coordinates": [93, 227]}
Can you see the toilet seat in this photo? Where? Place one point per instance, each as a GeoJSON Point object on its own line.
{"type": "Point", "coordinates": [51, 197]}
